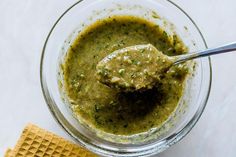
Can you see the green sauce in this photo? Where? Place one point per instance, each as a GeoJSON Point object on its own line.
{"type": "Point", "coordinates": [134, 68]}
{"type": "Point", "coordinates": [108, 109]}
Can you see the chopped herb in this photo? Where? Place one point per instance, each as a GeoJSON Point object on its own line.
{"type": "Point", "coordinates": [121, 71]}
{"type": "Point", "coordinates": [135, 62]}
{"type": "Point", "coordinates": [96, 107]}
{"type": "Point", "coordinates": [165, 35]}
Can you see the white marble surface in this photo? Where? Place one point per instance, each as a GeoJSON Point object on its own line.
{"type": "Point", "coordinates": [24, 25]}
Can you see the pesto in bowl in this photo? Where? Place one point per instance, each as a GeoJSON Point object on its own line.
{"type": "Point", "coordinates": [111, 110]}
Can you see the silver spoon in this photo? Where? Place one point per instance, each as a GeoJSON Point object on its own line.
{"type": "Point", "coordinates": [140, 67]}
{"type": "Point", "coordinates": [208, 52]}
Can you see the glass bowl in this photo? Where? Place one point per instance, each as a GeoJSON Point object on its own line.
{"type": "Point", "coordinates": [171, 18]}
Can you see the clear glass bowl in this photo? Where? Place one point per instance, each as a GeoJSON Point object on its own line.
{"type": "Point", "coordinates": [169, 16]}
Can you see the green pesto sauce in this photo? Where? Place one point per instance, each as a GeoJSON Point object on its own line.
{"type": "Point", "coordinates": [134, 68]}
{"type": "Point", "coordinates": [105, 108]}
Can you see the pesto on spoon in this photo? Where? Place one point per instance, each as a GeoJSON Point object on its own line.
{"type": "Point", "coordinates": [140, 67]}
{"type": "Point", "coordinates": [133, 68]}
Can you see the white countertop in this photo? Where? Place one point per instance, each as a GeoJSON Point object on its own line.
{"type": "Point", "coordinates": [23, 29]}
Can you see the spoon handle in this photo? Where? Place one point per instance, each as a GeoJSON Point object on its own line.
{"type": "Point", "coordinates": [207, 52]}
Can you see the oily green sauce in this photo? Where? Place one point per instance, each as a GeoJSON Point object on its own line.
{"type": "Point", "coordinates": [108, 109]}
{"type": "Point", "coordinates": [134, 68]}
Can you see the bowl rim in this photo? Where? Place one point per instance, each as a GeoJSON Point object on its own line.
{"type": "Point", "coordinates": [170, 139]}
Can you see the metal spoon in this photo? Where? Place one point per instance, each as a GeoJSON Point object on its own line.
{"type": "Point", "coordinates": [208, 52]}
{"type": "Point", "coordinates": [140, 67]}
